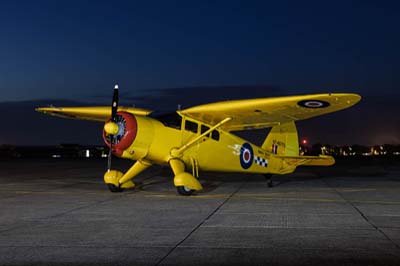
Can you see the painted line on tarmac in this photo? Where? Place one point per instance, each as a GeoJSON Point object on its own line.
{"type": "Point", "coordinates": [269, 198]}
{"type": "Point", "coordinates": [173, 195]}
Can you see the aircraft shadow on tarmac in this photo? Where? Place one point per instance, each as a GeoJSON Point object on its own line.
{"type": "Point", "coordinates": [161, 178]}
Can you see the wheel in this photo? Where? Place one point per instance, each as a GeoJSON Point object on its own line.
{"type": "Point", "coordinates": [184, 191]}
{"type": "Point", "coordinates": [269, 180]}
{"type": "Point", "coordinates": [114, 188]}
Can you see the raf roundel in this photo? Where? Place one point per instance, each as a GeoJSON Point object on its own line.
{"type": "Point", "coordinates": [246, 156]}
{"type": "Point", "coordinates": [313, 104]}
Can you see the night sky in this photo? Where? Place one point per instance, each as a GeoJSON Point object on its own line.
{"type": "Point", "coordinates": [189, 52]}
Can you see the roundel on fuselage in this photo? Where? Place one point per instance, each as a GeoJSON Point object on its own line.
{"type": "Point", "coordinates": [246, 156]}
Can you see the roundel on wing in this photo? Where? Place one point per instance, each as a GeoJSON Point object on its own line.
{"type": "Point", "coordinates": [246, 156]}
{"type": "Point", "coordinates": [313, 104]}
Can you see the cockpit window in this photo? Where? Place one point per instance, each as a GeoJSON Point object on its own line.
{"type": "Point", "coordinates": [204, 129]}
{"type": "Point", "coordinates": [170, 119]}
{"type": "Point", "coordinates": [191, 126]}
{"type": "Point", "coordinates": [215, 135]}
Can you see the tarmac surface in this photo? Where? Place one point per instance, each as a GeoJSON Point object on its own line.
{"type": "Point", "coordinates": [59, 212]}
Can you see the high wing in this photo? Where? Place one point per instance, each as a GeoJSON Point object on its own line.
{"type": "Point", "coordinates": [93, 113]}
{"type": "Point", "coordinates": [267, 112]}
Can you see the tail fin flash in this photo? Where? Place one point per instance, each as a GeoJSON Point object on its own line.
{"type": "Point", "coordinates": [282, 140]}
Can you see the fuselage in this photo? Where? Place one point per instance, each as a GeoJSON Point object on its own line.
{"type": "Point", "coordinates": [218, 151]}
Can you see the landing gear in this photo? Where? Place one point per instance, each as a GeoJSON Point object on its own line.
{"type": "Point", "coordinates": [117, 181]}
{"type": "Point", "coordinates": [269, 180]}
{"type": "Point", "coordinates": [114, 188]}
{"type": "Point", "coordinates": [184, 182]}
{"type": "Point", "coordinates": [184, 191]}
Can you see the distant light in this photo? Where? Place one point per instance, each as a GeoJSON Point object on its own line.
{"type": "Point", "coordinates": [56, 156]}
{"type": "Point", "coordinates": [304, 141]}
{"type": "Point", "coordinates": [104, 155]}
{"type": "Point", "coordinates": [87, 153]}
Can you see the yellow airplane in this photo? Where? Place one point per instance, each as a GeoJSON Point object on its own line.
{"type": "Point", "coordinates": [200, 139]}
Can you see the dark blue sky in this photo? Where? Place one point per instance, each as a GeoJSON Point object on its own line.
{"type": "Point", "coordinates": [79, 49]}
{"type": "Point", "coordinates": [63, 51]}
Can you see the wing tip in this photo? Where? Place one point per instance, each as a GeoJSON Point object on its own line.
{"type": "Point", "coordinates": [349, 98]}
{"type": "Point", "coordinates": [44, 110]}
{"type": "Point", "coordinates": [354, 98]}
{"type": "Point", "coordinates": [41, 109]}
{"type": "Point", "coordinates": [358, 96]}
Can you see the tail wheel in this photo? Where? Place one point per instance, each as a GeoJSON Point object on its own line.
{"type": "Point", "coordinates": [184, 191]}
{"type": "Point", "coordinates": [269, 180]}
{"type": "Point", "coordinates": [113, 188]}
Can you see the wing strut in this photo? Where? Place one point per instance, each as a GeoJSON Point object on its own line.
{"type": "Point", "coordinates": [178, 151]}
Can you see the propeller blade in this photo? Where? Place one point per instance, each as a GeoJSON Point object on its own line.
{"type": "Point", "coordinates": [109, 157]}
{"type": "Point", "coordinates": [114, 110]}
{"type": "Point", "coordinates": [114, 105]}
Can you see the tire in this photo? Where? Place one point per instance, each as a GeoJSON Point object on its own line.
{"type": "Point", "coordinates": [269, 180]}
{"type": "Point", "coordinates": [184, 191]}
{"type": "Point", "coordinates": [113, 188]}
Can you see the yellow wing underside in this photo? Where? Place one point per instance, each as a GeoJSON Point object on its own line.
{"type": "Point", "coordinates": [93, 113]}
{"type": "Point", "coordinates": [244, 114]}
{"type": "Point", "coordinates": [267, 112]}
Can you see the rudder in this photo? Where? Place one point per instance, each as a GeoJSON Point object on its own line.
{"type": "Point", "coordinates": [282, 140]}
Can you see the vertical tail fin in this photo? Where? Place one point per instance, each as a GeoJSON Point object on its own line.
{"type": "Point", "coordinates": [282, 140]}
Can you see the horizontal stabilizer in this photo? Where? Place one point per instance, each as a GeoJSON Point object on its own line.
{"type": "Point", "coordinates": [321, 160]}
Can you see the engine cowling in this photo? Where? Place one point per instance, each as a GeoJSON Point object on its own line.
{"type": "Point", "coordinates": [124, 128]}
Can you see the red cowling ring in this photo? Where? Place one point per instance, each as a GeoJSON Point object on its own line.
{"type": "Point", "coordinates": [129, 136]}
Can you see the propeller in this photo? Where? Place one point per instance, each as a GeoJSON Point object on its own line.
{"type": "Point", "coordinates": [112, 125]}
